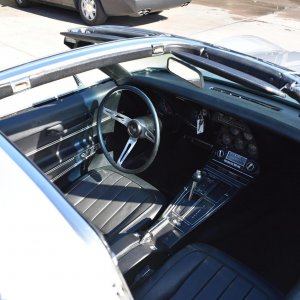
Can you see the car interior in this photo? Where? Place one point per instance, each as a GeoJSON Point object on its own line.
{"type": "Point", "coordinates": [196, 189]}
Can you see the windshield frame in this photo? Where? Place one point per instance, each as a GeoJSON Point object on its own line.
{"type": "Point", "coordinates": [111, 53]}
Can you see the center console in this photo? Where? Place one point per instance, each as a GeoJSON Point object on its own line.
{"type": "Point", "coordinates": [199, 199]}
{"type": "Point", "coordinates": [208, 190]}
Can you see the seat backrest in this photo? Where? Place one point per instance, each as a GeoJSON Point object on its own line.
{"type": "Point", "coordinates": [294, 294]}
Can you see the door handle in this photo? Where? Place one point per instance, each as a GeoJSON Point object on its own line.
{"type": "Point", "coordinates": [55, 130]}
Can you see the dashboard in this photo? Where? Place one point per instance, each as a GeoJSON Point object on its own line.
{"type": "Point", "coordinates": [253, 107]}
{"type": "Point", "coordinates": [229, 139]}
{"type": "Point", "coordinates": [234, 117]}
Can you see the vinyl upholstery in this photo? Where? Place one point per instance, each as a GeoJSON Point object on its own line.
{"type": "Point", "coordinates": [200, 271]}
{"type": "Point", "coordinates": [114, 202]}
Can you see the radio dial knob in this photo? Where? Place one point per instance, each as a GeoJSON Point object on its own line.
{"type": "Point", "coordinates": [250, 166]}
{"type": "Point", "coordinates": [220, 153]}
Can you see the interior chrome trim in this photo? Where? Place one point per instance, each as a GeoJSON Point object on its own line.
{"type": "Point", "coordinates": [60, 140]}
{"type": "Point", "coordinates": [92, 150]}
{"type": "Point", "coordinates": [64, 138]}
{"type": "Point", "coordinates": [61, 165]}
{"type": "Point", "coordinates": [236, 170]}
{"type": "Point", "coordinates": [68, 169]}
{"type": "Point", "coordinates": [65, 171]}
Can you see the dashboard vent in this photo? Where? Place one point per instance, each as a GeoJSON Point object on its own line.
{"type": "Point", "coordinates": [230, 93]}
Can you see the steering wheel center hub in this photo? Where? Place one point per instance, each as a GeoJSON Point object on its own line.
{"type": "Point", "coordinates": [134, 129]}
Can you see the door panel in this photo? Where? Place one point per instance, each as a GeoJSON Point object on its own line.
{"type": "Point", "coordinates": [61, 135]}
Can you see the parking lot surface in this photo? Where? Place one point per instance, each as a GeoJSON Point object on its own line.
{"type": "Point", "coordinates": [34, 32]}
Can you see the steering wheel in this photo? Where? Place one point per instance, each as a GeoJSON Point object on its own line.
{"type": "Point", "coordinates": [144, 127]}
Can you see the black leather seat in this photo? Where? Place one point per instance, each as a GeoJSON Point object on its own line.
{"type": "Point", "coordinates": [115, 203]}
{"type": "Point", "coordinates": [200, 271]}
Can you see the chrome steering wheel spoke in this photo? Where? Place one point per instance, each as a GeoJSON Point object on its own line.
{"type": "Point", "coordinates": [147, 134]}
{"type": "Point", "coordinates": [126, 151]}
{"type": "Point", "coordinates": [117, 116]}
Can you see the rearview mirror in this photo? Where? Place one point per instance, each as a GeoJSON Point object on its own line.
{"type": "Point", "coordinates": [186, 72]}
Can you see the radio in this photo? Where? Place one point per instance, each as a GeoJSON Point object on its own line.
{"type": "Point", "coordinates": [236, 160]}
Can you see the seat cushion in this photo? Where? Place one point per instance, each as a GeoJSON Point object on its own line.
{"type": "Point", "coordinates": [114, 202]}
{"type": "Point", "coordinates": [200, 271]}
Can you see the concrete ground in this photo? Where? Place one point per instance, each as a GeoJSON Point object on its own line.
{"type": "Point", "coordinates": [34, 32]}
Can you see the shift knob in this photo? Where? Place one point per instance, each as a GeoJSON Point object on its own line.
{"type": "Point", "coordinates": [197, 176]}
{"type": "Point", "coordinates": [196, 179]}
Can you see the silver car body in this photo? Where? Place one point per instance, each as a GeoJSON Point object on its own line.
{"type": "Point", "coordinates": [45, 243]}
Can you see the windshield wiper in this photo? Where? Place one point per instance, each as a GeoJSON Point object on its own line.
{"type": "Point", "coordinates": [229, 73]}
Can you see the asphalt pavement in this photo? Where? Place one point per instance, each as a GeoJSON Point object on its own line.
{"type": "Point", "coordinates": [27, 34]}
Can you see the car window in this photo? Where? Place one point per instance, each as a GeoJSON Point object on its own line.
{"type": "Point", "coordinates": [159, 61]}
{"type": "Point", "coordinates": [91, 77]}
{"type": "Point", "coordinates": [55, 89]}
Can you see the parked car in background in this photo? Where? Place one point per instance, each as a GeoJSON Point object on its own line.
{"type": "Point", "coordinates": [95, 12]}
{"type": "Point", "coordinates": [153, 158]}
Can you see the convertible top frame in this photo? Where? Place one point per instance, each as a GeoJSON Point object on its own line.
{"type": "Point", "coordinates": [266, 75]}
{"type": "Point", "coordinates": [120, 44]}
{"type": "Point", "coordinates": [69, 63]}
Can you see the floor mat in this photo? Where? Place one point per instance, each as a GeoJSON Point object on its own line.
{"type": "Point", "coordinates": [270, 245]}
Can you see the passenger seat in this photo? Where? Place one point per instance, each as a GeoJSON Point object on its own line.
{"type": "Point", "coordinates": [200, 271]}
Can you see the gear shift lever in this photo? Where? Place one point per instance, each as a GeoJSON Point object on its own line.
{"type": "Point", "coordinates": [196, 179]}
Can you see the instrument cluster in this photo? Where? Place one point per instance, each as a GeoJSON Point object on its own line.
{"type": "Point", "coordinates": [239, 141]}
{"type": "Point", "coordinates": [236, 145]}
{"type": "Point", "coordinates": [236, 136]}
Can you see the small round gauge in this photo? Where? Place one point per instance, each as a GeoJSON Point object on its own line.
{"type": "Point", "coordinates": [204, 112]}
{"type": "Point", "coordinates": [252, 149]}
{"type": "Point", "coordinates": [239, 144]}
{"type": "Point", "coordinates": [248, 136]}
{"type": "Point", "coordinates": [165, 108]}
{"type": "Point", "coordinates": [235, 131]}
{"type": "Point", "coordinates": [226, 138]}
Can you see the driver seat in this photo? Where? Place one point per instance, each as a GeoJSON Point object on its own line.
{"type": "Point", "coordinates": [115, 203]}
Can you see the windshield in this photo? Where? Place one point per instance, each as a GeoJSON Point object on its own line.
{"type": "Point", "coordinates": [161, 63]}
